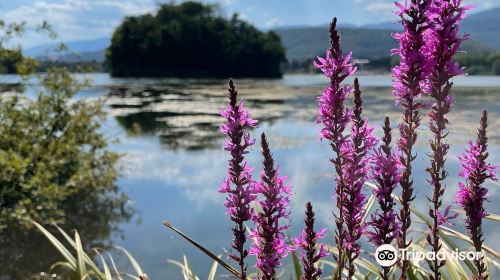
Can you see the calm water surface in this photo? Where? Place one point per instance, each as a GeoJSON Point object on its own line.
{"type": "Point", "coordinates": [173, 159]}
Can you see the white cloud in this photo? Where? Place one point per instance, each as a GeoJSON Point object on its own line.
{"type": "Point", "coordinates": [380, 7]}
{"type": "Point", "coordinates": [76, 19]}
{"type": "Point", "coordinates": [272, 23]}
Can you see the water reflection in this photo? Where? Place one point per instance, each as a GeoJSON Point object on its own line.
{"type": "Point", "coordinates": [185, 116]}
{"type": "Point", "coordinates": [177, 178]}
{"type": "Point", "coordinates": [96, 217]}
{"type": "Point", "coordinates": [173, 160]}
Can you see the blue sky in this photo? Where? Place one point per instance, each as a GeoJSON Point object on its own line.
{"type": "Point", "coordinates": [89, 19]}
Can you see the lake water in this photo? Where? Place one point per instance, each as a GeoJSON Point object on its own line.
{"type": "Point", "coordinates": [173, 161]}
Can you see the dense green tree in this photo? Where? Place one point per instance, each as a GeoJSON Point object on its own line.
{"type": "Point", "coordinates": [190, 39]}
{"type": "Point", "coordinates": [495, 67]}
{"type": "Point", "coordinates": [51, 151]}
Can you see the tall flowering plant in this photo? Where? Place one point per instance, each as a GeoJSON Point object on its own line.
{"type": "Point", "coordinates": [386, 172]}
{"type": "Point", "coordinates": [334, 117]}
{"type": "Point", "coordinates": [442, 43]}
{"type": "Point", "coordinates": [312, 251]}
{"type": "Point", "coordinates": [239, 185]}
{"type": "Point", "coordinates": [408, 85]}
{"type": "Point", "coordinates": [426, 47]}
{"type": "Point", "coordinates": [472, 194]}
{"type": "Point", "coordinates": [356, 169]}
{"type": "Point", "coordinates": [269, 245]}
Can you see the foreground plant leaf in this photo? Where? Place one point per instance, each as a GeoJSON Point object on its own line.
{"type": "Point", "coordinates": [204, 250]}
{"type": "Point", "coordinates": [58, 245]}
{"type": "Point", "coordinates": [88, 260]}
{"type": "Point", "coordinates": [134, 263]}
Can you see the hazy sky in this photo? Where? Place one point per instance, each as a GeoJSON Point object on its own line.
{"type": "Point", "coordinates": [89, 19]}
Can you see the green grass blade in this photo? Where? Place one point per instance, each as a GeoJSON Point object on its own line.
{"type": "Point", "coordinates": [213, 270]}
{"type": "Point", "coordinates": [443, 236]}
{"type": "Point", "coordinates": [204, 250]}
{"type": "Point", "coordinates": [297, 269]}
{"type": "Point", "coordinates": [80, 263]}
{"type": "Point", "coordinates": [85, 276]}
{"type": "Point", "coordinates": [465, 238]}
{"type": "Point", "coordinates": [132, 276]}
{"type": "Point", "coordinates": [490, 216]}
{"type": "Point", "coordinates": [189, 273]}
{"type": "Point", "coordinates": [296, 266]}
{"type": "Point", "coordinates": [132, 260]}
{"type": "Point", "coordinates": [493, 217]}
{"type": "Point", "coordinates": [107, 271]}
{"type": "Point", "coordinates": [368, 207]}
{"type": "Point", "coordinates": [183, 268]}
{"type": "Point", "coordinates": [118, 275]}
{"type": "Point", "coordinates": [62, 264]}
{"type": "Point", "coordinates": [58, 245]}
{"type": "Point", "coordinates": [87, 259]}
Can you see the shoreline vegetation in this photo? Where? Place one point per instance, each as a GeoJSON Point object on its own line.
{"type": "Point", "coordinates": [59, 169]}
{"type": "Point", "coordinates": [478, 65]}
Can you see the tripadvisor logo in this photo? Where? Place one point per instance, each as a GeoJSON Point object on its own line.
{"type": "Point", "coordinates": [387, 255]}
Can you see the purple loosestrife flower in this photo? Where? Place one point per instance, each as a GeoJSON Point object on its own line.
{"type": "Point", "coordinates": [409, 78]}
{"type": "Point", "coordinates": [307, 241]}
{"type": "Point", "coordinates": [239, 185]}
{"type": "Point", "coordinates": [269, 240]}
{"type": "Point", "coordinates": [472, 195]}
{"type": "Point", "coordinates": [386, 172]}
{"type": "Point", "coordinates": [355, 170]}
{"type": "Point", "coordinates": [334, 117]}
{"type": "Point", "coordinates": [442, 44]}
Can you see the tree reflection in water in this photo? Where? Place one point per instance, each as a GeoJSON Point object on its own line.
{"type": "Point", "coordinates": [25, 252]}
{"type": "Point", "coordinates": [186, 117]}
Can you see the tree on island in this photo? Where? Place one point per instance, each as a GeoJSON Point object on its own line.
{"type": "Point", "coordinates": [192, 40]}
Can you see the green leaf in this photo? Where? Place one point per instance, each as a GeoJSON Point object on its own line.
{"type": "Point", "coordinates": [213, 270]}
{"type": "Point", "coordinates": [62, 264]}
{"type": "Point", "coordinates": [87, 259]}
{"type": "Point", "coordinates": [296, 266]}
{"type": "Point", "coordinates": [58, 245]}
{"type": "Point", "coordinates": [204, 250]}
{"type": "Point", "coordinates": [107, 271]}
{"type": "Point", "coordinates": [114, 266]}
{"type": "Point", "coordinates": [80, 264]}
{"type": "Point", "coordinates": [132, 260]}
{"type": "Point", "coordinates": [443, 236]}
{"type": "Point", "coordinates": [368, 206]}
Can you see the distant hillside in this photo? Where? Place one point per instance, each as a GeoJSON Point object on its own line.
{"type": "Point", "coordinates": [86, 46]}
{"type": "Point", "coordinates": [483, 27]}
{"type": "Point", "coordinates": [98, 56]}
{"type": "Point", "coordinates": [306, 42]}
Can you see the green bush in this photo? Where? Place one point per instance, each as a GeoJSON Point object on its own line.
{"type": "Point", "coordinates": [495, 67]}
{"type": "Point", "coordinates": [51, 152]}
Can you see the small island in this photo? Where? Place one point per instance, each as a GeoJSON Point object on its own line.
{"type": "Point", "coordinates": [192, 40]}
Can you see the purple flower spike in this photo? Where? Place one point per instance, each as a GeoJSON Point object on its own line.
{"type": "Point", "coordinates": [334, 118]}
{"type": "Point", "coordinates": [408, 85]}
{"type": "Point", "coordinates": [269, 239]}
{"type": "Point", "coordinates": [332, 113]}
{"type": "Point", "coordinates": [307, 242]}
{"type": "Point", "coordinates": [386, 172]}
{"type": "Point", "coordinates": [239, 185]}
{"type": "Point", "coordinates": [472, 195]}
{"type": "Point", "coordinates": [355, 170]}
{"type": "Point", "coordinates": [442, 43]}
